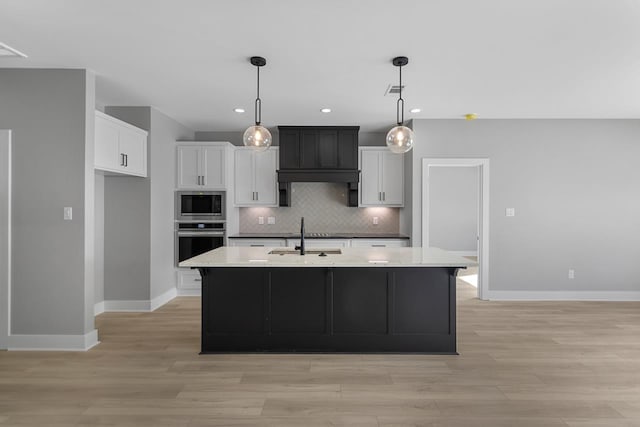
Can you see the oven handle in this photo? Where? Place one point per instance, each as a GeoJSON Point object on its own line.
{"type": "Point", "coordinates": [200, 233]}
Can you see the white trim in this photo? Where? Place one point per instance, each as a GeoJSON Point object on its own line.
{"type": "Point", "coordinates": [564, 295]}
{"type": "Point", "coordinates": [137, 305]}
{"type": "Point", "coordinates": [54, 342]}
{"type": "Point", "coordinates": [162, 299]}
{"type": "Point", "coordinates": [483, 199]}
{"type": "Point", "coordinates": [5, 245]}
{"type": "Point", "coordinates": [189, 292]}
{"type": "Point", "coordinates": [98, 308]}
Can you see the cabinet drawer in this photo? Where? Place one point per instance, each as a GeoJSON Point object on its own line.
{"type": "Point", "coordinates": [379, 243]}
{"type": "Point", "coordinates": [189, 280]}
{"type": "Point", "coordinates": [275, 243]}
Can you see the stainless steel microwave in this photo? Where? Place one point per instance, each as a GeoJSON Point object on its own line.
{"type": "Point", "coordinates": [200, 205]}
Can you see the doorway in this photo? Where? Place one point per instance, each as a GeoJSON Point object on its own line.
{"type": "Point", "coordinates": [5, 237]}
{"type": "Point", "coordinates": [455, 211]}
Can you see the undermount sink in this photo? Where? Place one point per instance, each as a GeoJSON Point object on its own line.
{"type": "Point", "coordinates": [307, 252]}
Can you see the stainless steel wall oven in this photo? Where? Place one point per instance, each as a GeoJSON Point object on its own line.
{"type": "Point", "coordinates": [195, 238]}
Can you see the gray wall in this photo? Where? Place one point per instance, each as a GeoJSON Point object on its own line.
{"type": "Point", "coordinates": [5, 231]}
{"type": "Point", "coordinates": [139, 213]}
{"type": "Point", "coordinates": [453, 211]}
{"type": "Point", "coordinates": [127, 234]}
{"type": "Point", "coordinates": [99, 238]}
{"type": "Point", "coordinates": [47, 111]}
{"type": "Point", "coordinates": [164, 133]}
{"type": "Point", "coordinates": [574, 185]}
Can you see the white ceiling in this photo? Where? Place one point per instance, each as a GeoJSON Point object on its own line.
{"type": "Point", "coordinates": [189, 58]}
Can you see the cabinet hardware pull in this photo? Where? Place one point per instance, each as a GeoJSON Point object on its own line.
{"type": "Point", "coordinates": [384, 196]}
{"type": "Point", "coordinates": [204, 182]}
{"type": "Point", "coordinates": [378, 246]}
{"type": "Point", "coordinates": [126, 160]}
{"type": "Point", "coordinates": [197, 280]}
{"type": "Point", "coordinates": [257, 196]}
{"type": "Point", "coordinates": [121, 159]}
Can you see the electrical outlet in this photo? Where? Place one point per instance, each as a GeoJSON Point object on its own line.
{"type": "Point", "coordinates": [375, 220]}
{"type": "Point", "coordinates": [68, 213]}
{"type": "Point", "coordinates": [572, 273]}
{"type": "Point", "coordinates": [261, 220]}
{"type": "Point", "coordinates": [510, 212]}
{"type": "Point", "coordinates": [271, 220]}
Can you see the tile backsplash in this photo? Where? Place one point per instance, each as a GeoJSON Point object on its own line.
{"type": "Point", "coordinates": [324, 208]}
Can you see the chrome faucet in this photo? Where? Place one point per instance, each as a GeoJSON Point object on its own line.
{"type": "Point", "coordinates": [301, 247]}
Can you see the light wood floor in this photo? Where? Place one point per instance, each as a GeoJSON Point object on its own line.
{"type": "Point", "coordinates": [520, 364]}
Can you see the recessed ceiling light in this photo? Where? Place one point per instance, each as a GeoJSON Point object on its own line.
{"type": "Point", "coordinates": [7, 51]}
{"type": "Point", "coordinates": [326, 110]}
{"type": "Point", "coordinates": [415, 110]}
{"type": "Point", "coordinates": [239, 110]}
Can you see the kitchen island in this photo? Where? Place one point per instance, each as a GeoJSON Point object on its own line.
{"type": "Point", "coordinates": [358, 300]}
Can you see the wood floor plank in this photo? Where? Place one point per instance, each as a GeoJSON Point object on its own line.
{"type": "Point", "coordinates": [520, 364]}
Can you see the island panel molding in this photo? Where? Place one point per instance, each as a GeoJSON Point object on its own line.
{"type": "Point", "coordinates": [360, 300]}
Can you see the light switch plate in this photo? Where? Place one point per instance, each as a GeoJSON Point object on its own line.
{"type": "Point", "coordinates": [261, 220]}
{"type": "Point", "coordinates": [271, 220]}
{"type": "Point", "coordinates": [510, 212]}
{"type": "Point", "coordinates": [375, 220]}
{"type": "Point", "coordinates": [68, 213]}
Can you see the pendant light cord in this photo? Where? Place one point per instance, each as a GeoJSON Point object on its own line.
{"type": "Point", "coordinates": [258, 106]}
{"type": "Point", "coordinates": [400, 103]}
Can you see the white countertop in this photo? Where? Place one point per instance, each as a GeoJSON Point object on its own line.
{"type": "Point", "coordinates": [228, 256]}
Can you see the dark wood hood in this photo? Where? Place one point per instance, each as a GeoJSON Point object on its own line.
{"type": "Point", "coordinates": [318, 154]}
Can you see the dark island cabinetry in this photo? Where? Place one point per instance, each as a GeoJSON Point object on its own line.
{"type": "Point", "coordinates": [325, 309]}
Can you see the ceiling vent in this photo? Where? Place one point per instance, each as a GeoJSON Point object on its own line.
{"type": "Point", "coordinates": [394, 89]}
{"type": "Point", "coordinates": [8, 52]}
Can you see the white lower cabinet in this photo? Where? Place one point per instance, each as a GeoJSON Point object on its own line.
{"type": "Point", "coordinates": [259, 243]}
{"type": "Point", "coordinates": [189, 281]}
{"type": "Point", "coordinates": [320, 243]}
{"type": "Point", "coordinates": [379, 243]}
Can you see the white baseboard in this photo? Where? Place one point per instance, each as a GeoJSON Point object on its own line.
{"type": "Point", "coordinates": [564, 295]}
{"type": "Point", "coordinates": [162, 299]}
{"type": "Point", "coordinates": [189, 292]}
{"type": "Point", "coordinates": [135, 305]}
{"type": "Point", "coordinates": [98, 308]}
{"type": "Point", "coordinates": [53, 342]}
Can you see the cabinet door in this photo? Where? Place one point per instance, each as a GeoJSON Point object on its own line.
{"type": "Point", "coordinates": [327, 142]}
{"type": "Point", "coordinates": [289, 149]}
{"type": "Point", "coordinates": [244, 177]}
{"type": "Point", "coordinates": [213, 167]}
{"type": "Point", "coordinates": [392, 181]}
{"type": "Point", "coordinates": [347, 149]}
{"type": "Point", "coordinates": [188, 170]}
{"type": "Point", "coordinates": [370, 193]}
{"type": "Point", "coordinates": [107, 155]}
{"type": "Point", "coordinates": [308, 149]}
{"type": "Point", "coordinates": [134, 147]}
{"type": "Point", "coordinates": [266, 179]}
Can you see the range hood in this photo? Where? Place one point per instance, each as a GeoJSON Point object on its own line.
{"type": "Point", "coordinates": [318, 154]}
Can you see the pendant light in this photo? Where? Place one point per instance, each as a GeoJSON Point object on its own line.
{"type": "Point", "coordinates": [400, 138]}
{"type": "Point", "coordinates": [257, 137]}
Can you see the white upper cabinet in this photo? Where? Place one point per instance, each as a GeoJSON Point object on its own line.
{"type": "Point", "coordinates": [201, 166]}
{"type": "Point", "coordinates": [119, 146]}
{"type": "Point", "coordinates": [256, 180]}
{"type": "Point", "coordinates": [382, 179]}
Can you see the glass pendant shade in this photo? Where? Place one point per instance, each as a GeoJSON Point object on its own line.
{"type": "Point", "coordinates": [257, 137]}
{"type": "Point", "coordinates": [400, 139]}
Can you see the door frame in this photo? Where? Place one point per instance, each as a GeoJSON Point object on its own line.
{"type": "Point", "coordinates": [483, 211]}
{"type": "Point", "coordinates": [5, 242]}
